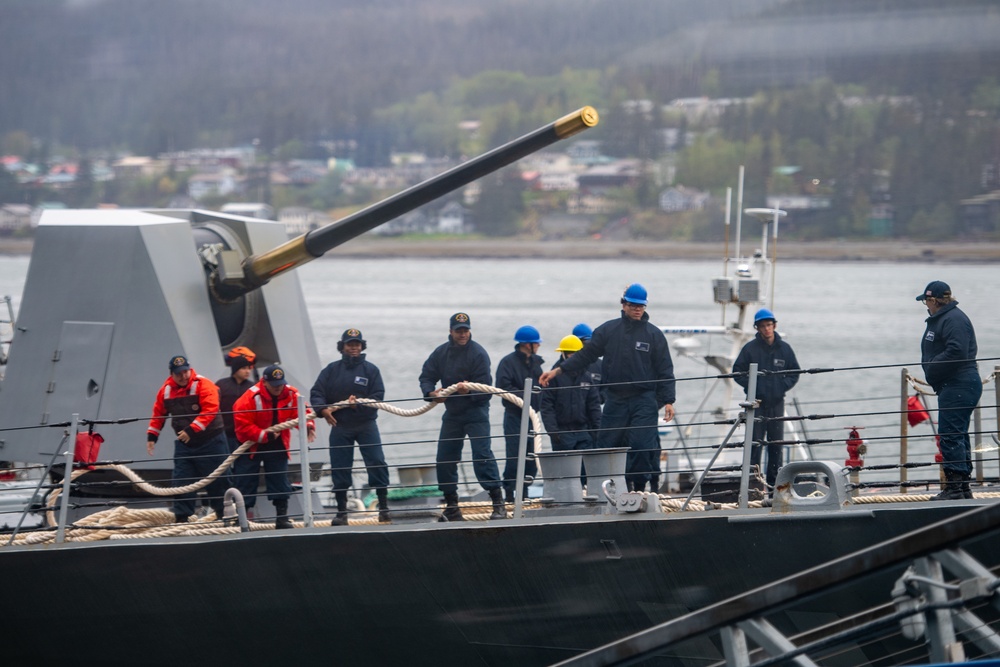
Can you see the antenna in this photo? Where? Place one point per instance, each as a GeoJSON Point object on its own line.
{"type": "Point", "coordinates": [769, 216]}
{"type": "Point", "coordinates": [725, 254]}
{"type": "Point", "coordinates": [739, 212]}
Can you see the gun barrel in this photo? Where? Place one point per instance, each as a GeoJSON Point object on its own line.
{"type": "Point", "coordinates": [259, 269]}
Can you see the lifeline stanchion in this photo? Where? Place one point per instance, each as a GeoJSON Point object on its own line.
{"type": "Point", "coordinates": [307, 514]}
{"type": "Point", "coordinates": [522, 449]}
{"type": "Point", "coordinates": [904, 430]}
{"type": "Point", "coordinates": [748, 437]}
{"type": "Point", "coordinates": [67, 478]}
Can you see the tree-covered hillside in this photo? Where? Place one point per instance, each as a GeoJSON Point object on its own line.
{"type": "Point", "coordinates": [872, 107]}
{"type": "Point", "coordinates": [155, 76]}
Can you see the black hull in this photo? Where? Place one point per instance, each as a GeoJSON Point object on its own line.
{"type": "Point", "coordinates": [501, 593]}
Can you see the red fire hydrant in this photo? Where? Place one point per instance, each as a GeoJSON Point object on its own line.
{"type": "Point", "coordinates": [856, 448]}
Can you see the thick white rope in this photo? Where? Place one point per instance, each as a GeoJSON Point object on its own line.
{"type": "Point", "coordinates": [125, 523]}
{"type": "Point", "coordinates": [164, 491]}
{"type": "Point", "coordinates": [513, 397]}
{"type": "Point", "coordinates": [155, 518]}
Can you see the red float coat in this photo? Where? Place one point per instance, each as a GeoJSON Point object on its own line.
{"type": "Point", "coordinates": [255, 411]}
{"type": "Point", "coordinates": [193, 408]}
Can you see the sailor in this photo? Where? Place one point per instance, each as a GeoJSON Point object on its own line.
{"type": "Point", "coordinates": [571, 409]}
{"type": "Point", "coordinates": [512, 371]}
{"type": "Point", "coordinates": [772, 355]}
{"type": "Point", "coordinates": [639, 375]}
{"type": "Point", "coordinates": [192, 403]}
{"type": "Point", "coordinates": [240, 361]}
{"type": "Point", "coordinates": [466, 413]}
{"type": "Point", "coordinates": [350, 378]}
{"type": "Point", "coordinates": [593, 373]}
{"type": "Point", "coordinates": [948, 355]}
{"type": "Point", "coordinates": [271, 401]}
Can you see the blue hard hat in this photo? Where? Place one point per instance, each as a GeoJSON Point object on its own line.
{"type": "Point", "coordinates": [582, 331]}
{"type": "Point", "coordinates": [635, 293]}
{"type": "Point", "coordinates": [764, 314]}
{"type": "Point", "coordinates": [527, 334]}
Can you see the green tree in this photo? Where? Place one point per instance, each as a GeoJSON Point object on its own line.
{"type": "Point", "coordinates": [934, 225]}
{"type": "Point", "coordinates": [17, 142]}
{"type": "Point", "coordinates": [9, 189]}
{"type": "Point", "coordinates": [500, 204]}
{"type": "Point", "coordinates": [83, 191]}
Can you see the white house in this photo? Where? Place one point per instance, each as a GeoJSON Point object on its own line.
{"type": "Point", "coordinates": [299, 219]}
{"type": "Point", "coordinates": [558, 181]}
{"type": "Point", "coordinates": [223, 182]}
{"type": "Point", "coordinates": [451, 219]}
{"type": "Point", "coordinates": [680, 198]}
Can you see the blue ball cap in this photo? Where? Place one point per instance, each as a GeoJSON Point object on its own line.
{"type": "Point", "coordinates": [937, 289]}
{"type": "Point", "coordinates": [274, 375]}
{"type": "Point", "coordinates": [179, 363]}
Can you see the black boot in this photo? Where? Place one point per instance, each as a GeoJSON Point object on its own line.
{"type": "Point", "coordinates": [281, 520]}
{"type": "Point", "coordinates": [383, 506]}
{"type": "Point", "coordinates": [180, 518]}
{"type": "Point", "coordinates": [452, 512]}
{"type": "Point", "coordinates": [952, 488]}
{"type": "Point", "coordinates": [220, 510]}
{"type": "Point", "coordinates": [966, 490]}
{"type": "Point", "coordinates": [509, 495]}
{"type": "Point", "coordinates": [499, 510]}
{"type": "Point", "coordinates": [341, 518]}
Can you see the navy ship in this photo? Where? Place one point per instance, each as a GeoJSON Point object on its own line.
{"type": "Point", "coordinates": [814, 576]}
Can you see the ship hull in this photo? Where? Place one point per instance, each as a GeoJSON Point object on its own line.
{"type": "Point", "coordinates": [528, 592]}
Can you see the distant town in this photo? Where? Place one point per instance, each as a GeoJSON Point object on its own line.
{"type": "Point", "coordinates": [577, 191]}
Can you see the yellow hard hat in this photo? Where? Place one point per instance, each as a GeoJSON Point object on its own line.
{"type": "Point", "coordinates": [570, 344]}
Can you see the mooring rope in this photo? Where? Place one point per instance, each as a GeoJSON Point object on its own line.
{"type": "Point", "coordinates": [123, 523]}
{"type": "Point", "coordinates": [536, 422]}
{"type": "Point", "coordinates": [127, 523]}
{"type": "Point", "coordinates": [164, 491]}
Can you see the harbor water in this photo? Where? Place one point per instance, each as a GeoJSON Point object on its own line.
{"type": "Point", "coordinates": [841, 315]}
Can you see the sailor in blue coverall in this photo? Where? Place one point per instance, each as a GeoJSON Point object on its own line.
{"type": "Point", "coordinates": [466, 413]}
{"type": "Point", "coordinates": [639, 378]}
{"type": "Point", "coordinates": [349, 378]}
{"type": "Point", "coordinates": [771, 354]}
{"type": "Point", "coordinates": [512, 371]}
{"type": "Point", "coordinates": [948, 355]}
{"type": "Point", "coordinates": [571, 408]}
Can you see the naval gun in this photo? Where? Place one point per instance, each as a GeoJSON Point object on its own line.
{"type": "Point", "coordinates": [110, 295]}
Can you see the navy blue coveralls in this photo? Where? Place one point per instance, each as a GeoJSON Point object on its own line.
{"type": "Point", "coordinates": [771, 390]}
{"type": "Point", "coordinates": [571, 412]}
{"type": "Point", "coordinates": [639, 375]}
{"type": "Point", "coordinates": [948, 356]}
{"type": "Point", "coordinates": [512, 371]}
{"type": "Point", "coordinates": [352, 376]}
{"type": "Point", "coordinates": [464, 415]}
